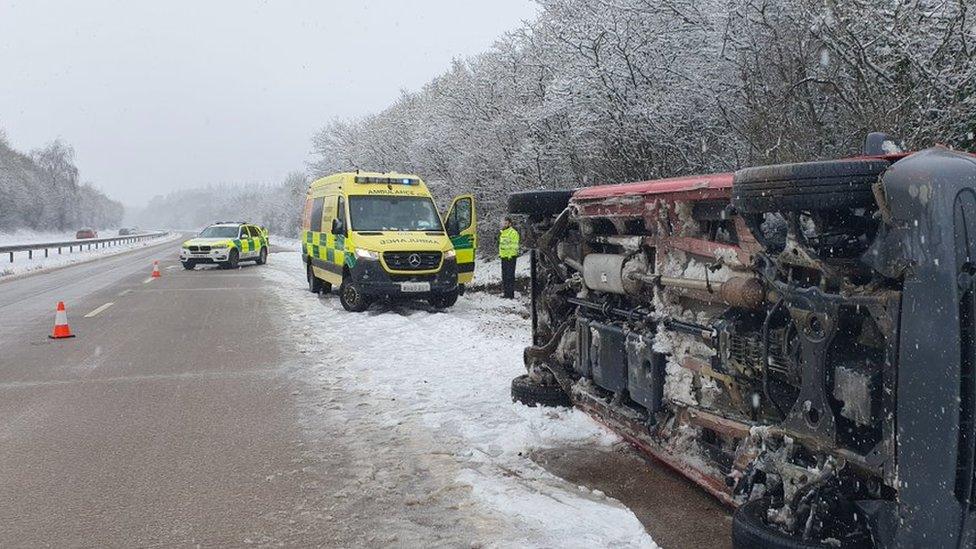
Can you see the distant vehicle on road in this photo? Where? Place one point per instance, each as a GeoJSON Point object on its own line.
{"type": "Point", "coordinates": [126, 232]}
{"type": "Point", "coordinates": [226, 243]}
{"type": "Point", "coordinates": [86, 233]}
{"type": "Point", "coordinates": [379, 235]}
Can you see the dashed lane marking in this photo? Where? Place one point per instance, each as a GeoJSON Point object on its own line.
{"type": "Point", "coordinates": [147, 281]}
{"type": "Point", "coordinates": [100, 309]}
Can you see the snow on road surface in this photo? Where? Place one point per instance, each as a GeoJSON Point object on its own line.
{"type": "Point", "coordinates": [23, 265]}
{"type": "Point", "coordinates": [441, 379]}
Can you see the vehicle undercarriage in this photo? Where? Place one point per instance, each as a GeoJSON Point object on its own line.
{"type": "Point", "coordinates": [742, 329]}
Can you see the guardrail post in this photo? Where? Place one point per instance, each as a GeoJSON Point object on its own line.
{"type": "Point", "coordinates": [30, 254]}
{"type": "Point", "coordinates": [11, 257]}
{"type": "Point", "coordinates": [45, 252]}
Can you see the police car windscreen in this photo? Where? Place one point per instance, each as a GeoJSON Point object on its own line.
{"type": "Point", "coordinates": [393, 213]}
{"type": "Point", "coordinates": [219, 232]}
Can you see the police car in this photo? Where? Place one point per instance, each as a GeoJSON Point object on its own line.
{"type": "Point", "coordinates": [226, 243]}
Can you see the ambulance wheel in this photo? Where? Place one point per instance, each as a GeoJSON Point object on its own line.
{"type": "Point", "coordinates": [315, 284]}
{"type": "Point", "coordinates": [352, 298]}
{"type": "Point", "coordinates": [532, 393]}
{"type": "Point", "coordinates": [189, 265]}
{"type": "Point", "coordinates": [232, 260]}
{"type": "Point", "coordinates": [262, 257]}
{"type": "Point", "coordinates": [445, 300]}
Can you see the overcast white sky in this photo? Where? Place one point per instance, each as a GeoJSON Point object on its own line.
{"type": "Point", "coordinates": [162, 95]}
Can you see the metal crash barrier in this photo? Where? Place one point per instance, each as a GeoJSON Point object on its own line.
{"type": "Point", "coordinates": [80, 244]}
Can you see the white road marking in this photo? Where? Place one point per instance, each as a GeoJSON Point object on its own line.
{"type": "Point", "coordinates": [147, 281]}
{"type": "Point", "coordinates": [100, 309]}
{"type": "Point", "coordinates": [125, 291]}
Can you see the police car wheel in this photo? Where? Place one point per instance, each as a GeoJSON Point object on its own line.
{"type": "Point", "coordinates": [352, 299]}
{"type": "Point", "coordinates": [232, 260]}
{"type": "Point", "coordinates": [189, 265]}
{"type": "Point", "coordinates": [445, 300]}
{"type": "Point", "coordinates": [262, 257]}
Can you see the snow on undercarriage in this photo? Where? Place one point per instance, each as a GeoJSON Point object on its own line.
{"type": "Point", "coordinates": [744, 329]}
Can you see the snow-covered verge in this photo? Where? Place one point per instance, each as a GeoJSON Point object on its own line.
{"type": "Point", "coordinates": [488, 273]}
{"type": "Point", "coordinates": [22, 265]}
{"type": "Point", "coordinates": [282, 243]}
{"type": "Point", "coordinates": [444, 377]}
{"type": "Point", "coordinates": [30, 237]}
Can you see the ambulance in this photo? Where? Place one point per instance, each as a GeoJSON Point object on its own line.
{"type": "Point", "coordinates": [380, 236]}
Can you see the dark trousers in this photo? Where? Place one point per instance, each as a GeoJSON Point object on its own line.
{"type": "Point", "coordinates": [508, 277]}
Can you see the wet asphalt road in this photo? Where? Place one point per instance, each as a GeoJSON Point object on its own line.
{"type": "Point", "coordinates": [162, 423]}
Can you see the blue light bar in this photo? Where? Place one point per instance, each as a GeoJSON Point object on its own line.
{"type": "Point", "coordinates": [387, 180]}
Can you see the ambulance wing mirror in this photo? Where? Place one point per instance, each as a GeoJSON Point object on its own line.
{"type": "Point", "coordinates": [338, 227]}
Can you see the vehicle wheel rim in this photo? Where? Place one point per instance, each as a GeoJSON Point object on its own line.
{"type": "Point", "coordinates": [352, 296]}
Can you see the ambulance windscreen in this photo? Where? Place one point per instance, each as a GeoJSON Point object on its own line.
{"type": "Point", "coordinates": [393, 213]}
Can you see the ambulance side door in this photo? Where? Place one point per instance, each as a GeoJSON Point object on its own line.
{"type": "Point", "coordinates": [462, 227]}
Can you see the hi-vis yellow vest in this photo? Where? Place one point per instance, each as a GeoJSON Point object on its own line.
{"type": "Point", "coordinates": [508, 243]}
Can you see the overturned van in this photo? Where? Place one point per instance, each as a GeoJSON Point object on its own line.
{"type": "Point", "coordinates": [800, 339]}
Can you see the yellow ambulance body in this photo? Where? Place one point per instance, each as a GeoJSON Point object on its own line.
{"type": "Point", "coordinates": [379, 235]}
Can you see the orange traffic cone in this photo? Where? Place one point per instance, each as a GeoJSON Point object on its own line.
{"type": "Point", "coordinates": [61, 329]}
{"type": "Point", "coordinates": [156, 269]}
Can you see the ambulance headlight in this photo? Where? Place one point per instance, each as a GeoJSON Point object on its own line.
{"type": "Point", "coordinates": [450, 254]}
{"type": "Point", "coordinates": [366, 254]}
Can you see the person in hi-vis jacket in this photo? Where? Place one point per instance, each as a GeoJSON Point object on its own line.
{"type": "Point", "coordinates": [508, 250]}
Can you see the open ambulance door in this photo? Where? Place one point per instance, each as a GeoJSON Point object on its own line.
{"type": "Point", "coordinates": [462, 226]}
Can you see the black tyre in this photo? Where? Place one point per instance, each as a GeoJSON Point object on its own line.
{"type": "Point", "coordinates": [262, 256]}
{"type": "Point", "coordinates": [189, 265]}
{"type": "Point", "coordinates": [445, 300]}
{"type": "Point", "coordinates": [532, 393]}
{"type": "Point", "coordinates": [539, 203]}
{"type": "Point", "coordinates": [233, 260]}
{"type": "Point", "coordinates": [352, 298]}
{"type": "Point", "coordinates": [829, 185]}
{"type": "Point", "coordinates": [750, 531]}
{"type": "Point", "coordinates": [315, 284]}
